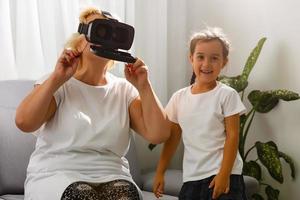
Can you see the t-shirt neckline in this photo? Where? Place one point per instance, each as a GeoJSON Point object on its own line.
{"type": "Point", "coordinates": [79, 82]}
{"type": "Point", "coordinates": [204, 93]}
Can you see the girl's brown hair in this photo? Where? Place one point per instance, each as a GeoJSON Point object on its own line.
{"type": "Point", "coordinates": [209, 34]}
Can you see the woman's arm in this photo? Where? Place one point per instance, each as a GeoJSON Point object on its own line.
{"type": "Point", "coordinates": [147, 116]}
{"type": "Point", "coordinates": [221, 181]}
{"type": "Point", "coordinates": [39, 106]}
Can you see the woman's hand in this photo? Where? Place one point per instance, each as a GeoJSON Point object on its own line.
{"type": "Point", "coordinates": [39, 106]}
{"type": "Point", "coordinates": [66, 65]}
{"type": "Point", "coordinates": [158, 185]}
{"type": "Point", "coordinates": [220, 185]}
{"type": "Point", "coordinates": [137, 74]}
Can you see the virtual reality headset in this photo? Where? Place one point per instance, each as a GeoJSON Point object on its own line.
{"type": "Point", "coordinates": [107, 36]}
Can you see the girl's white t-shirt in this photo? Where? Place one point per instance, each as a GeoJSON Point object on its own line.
{"type": "Point", "coordinates": [201, 118]}
{"type": "Point", "coordinates": [86, 140]}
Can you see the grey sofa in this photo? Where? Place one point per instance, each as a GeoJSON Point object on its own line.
{"type": "Point", "coordinates": [16, 147]}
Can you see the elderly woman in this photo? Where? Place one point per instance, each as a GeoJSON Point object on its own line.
{"type": "Point", "coordinates": [82, 115]}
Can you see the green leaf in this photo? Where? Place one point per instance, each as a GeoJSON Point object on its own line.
{"type": "Point", "coordinates": [289, 160]}
{"type": "Point", "coordinates": [243, 119]}
{"type": "Point", "coordinates": [269, 156]}
{"type": "Point", "coordinates": [151, 146]}
{"type": "Point", "coordinates": [252, 169]}
{"type": "Point", "coordinates": [257, 197]}
{"type": "Point", "coordinates": [272, 193]}
{"type": "Point", "coordinates": [285, 95]}
{"type": "Point", "coordinates": [239, 83]}
{"type": "Point", "coordinates": [264, 101]}
{"type": "Point", "coordinates": [253, 58]}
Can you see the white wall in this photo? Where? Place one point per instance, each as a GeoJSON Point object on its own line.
{"type": "Point", "coordinates": [168, 25]}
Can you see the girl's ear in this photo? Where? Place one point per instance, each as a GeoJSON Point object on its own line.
{"type": "Point", "coordinates": [225, 62]}
{"type": "Point", "coordinates": [191, 58]}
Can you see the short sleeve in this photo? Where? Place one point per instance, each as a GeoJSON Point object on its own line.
{"type": "Point", "coordinates": [57, 95]}
{"type": "Point", "coordinates": [171, 109]}
{"type": "Point", "coordinates": [233, 104]}
{"type": "Point", "coordinates": [132, 92]}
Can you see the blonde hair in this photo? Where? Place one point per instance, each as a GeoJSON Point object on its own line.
{"type": "Point", "coordinates": [74, 39]}
{"type": "Point", "coordinates": [208, 34]}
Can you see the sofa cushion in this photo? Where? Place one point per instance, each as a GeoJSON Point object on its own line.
{"type": "Point", "coordinates": [173, 181]}
{"type": "Point", "coordinates": [150, 196]}
{"type": "Point", "coordinates": [13, 91]}
{"type": "Point", "coordinates": [12, 197]}
{"type": "Point", "coordinates": [252, 186]}
{"type": "Point", "coordinates": [15, 147]}
{"type": "Point", "coordinates": [15, 150]}
{"type": "Point", "coordinates": [133, 163]}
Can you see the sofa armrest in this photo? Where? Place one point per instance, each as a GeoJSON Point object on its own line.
{"type": "Point", "coordinates": [252, 186]}
{"type": "Point", "coordinates": [173, 181]}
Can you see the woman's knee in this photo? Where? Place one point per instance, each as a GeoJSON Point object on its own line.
{"type": "Point", "coordinates": [121, 189]}
{"type": "Point", "coordinates": [80, 191]}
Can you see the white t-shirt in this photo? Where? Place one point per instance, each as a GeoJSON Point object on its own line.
{"type": "Point", "coordinates": [86, 139]}
{"type": "Point", "coordinates": [201, 118]}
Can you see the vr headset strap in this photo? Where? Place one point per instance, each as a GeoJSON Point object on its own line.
{"type": "Point", "coordinates": [108, 15]}
{"type": "Point", "coordinates": [83, 28]}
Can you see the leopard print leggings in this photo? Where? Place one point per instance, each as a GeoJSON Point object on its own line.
{"type": "Point", "coordinates": [113, 190]}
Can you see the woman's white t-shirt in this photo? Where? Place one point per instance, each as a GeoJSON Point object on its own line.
{"type": "Point", "coordinates": [86, 139]}
{"type": "Point", "coordinates": [201, 118]}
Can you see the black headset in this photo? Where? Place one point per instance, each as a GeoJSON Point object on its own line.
{"type": "Point", "coordinates": [108, 36]}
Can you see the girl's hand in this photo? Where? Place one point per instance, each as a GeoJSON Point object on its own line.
{"type": "Point", "coordinates": [137, 74]}
{"type": "Point", "coordinates": [158, 185]}
{"type": "Point", "coordinates": [221, 184]}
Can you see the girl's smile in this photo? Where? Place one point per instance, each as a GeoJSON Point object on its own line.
{"type": "Point", "coordinates": [206, 71]}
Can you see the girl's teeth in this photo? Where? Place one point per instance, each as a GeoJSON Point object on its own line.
{"type": "Point", "coordinates": [206, 72]}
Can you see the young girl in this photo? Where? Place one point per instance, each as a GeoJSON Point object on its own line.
{"type": "Point", "coordinates": [206, 114]}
